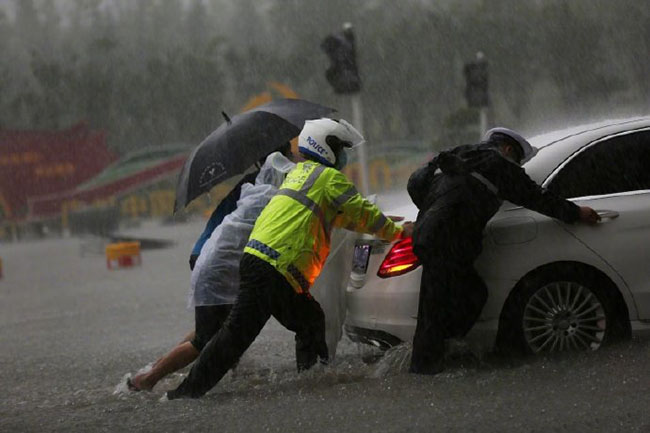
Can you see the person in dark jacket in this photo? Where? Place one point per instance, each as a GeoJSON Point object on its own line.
{"type": "Point", "coordinates": [457, 193]}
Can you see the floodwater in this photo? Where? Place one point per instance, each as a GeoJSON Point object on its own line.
{"type": "Point", "coordinates": [71, 330]}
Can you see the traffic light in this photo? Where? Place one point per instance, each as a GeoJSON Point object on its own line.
{"type": "Point", "coordinates": [476, 83]}
{"type": "Point", "coordinates": [342, 74]}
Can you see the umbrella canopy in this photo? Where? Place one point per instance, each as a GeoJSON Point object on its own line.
{"type": "Point", "coordinates": [241, 141]}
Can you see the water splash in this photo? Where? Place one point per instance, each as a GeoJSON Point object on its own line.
{"type": "Point", "coordinates": [396, 360]}
{"type": "Point", "coordinates": [122, 388]}
{"type": "Point", "coordinates": [354, 363]}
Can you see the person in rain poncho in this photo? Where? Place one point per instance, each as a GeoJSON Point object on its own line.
{"type": "Point", "coordinates": [225, 207]}
{"type": "Point", "coordinates": [215, 276]}
{"type": "Point", "coordinates": [457, 193]}
{"type": "Point", "coordinates": [285, 254]}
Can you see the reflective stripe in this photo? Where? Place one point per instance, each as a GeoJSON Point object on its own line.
{"type": "Point", "coordinates": [263, 248]}
{"type": "Point", "coordinates": [311, 180]}
{"type": "Point", "coordinates": [347, 195]}
{"type": "Point", "coordinates": [379, 224]}
{"type": "Point", "coordinates": [299, 277]}
{"type": "Point", "coordinates": [308, 203]}
{"type": "Point", "coordinates": [489, 185]}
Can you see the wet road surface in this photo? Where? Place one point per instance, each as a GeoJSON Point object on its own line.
{"type": "Point", "coordinates": [71, 330]}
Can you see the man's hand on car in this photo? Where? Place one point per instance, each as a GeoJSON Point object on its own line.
{"type": "Point", "coordinates": [407, 229]}
{"type": "Point", "coordinates": [588, 215]}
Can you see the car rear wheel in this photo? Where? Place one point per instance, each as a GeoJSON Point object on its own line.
{"type": "Point", "coordinates": [561, 309]}
{"type": "Point", "coordinates": [563, 315]}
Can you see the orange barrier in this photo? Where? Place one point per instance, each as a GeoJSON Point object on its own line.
{"type": "Point", "coordinates": [123, 255]}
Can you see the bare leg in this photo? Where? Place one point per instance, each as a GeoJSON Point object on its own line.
{"type": "Point", "coordinates": [188, 337]}
{"type": "Point", "coordinates": [179, 357]}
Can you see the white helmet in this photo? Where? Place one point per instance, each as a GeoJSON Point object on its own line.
{"type": "Point", "coordinates": [528, 151]}
{"type": "Point", "coordinates": [312, 140]}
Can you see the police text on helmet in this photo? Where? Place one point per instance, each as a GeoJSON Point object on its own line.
{"type": "Point", "coordinates": [317, 147]}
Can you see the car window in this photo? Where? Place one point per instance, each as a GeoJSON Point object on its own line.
{"type": "Point", "coordinates": [619, 164]}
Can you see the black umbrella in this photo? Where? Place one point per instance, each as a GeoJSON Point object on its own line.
{"type": "Point", "coordinates": [241, 141]}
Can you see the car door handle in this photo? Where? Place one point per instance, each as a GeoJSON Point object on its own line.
{"type": "Point", "coordinates": [607, 215]}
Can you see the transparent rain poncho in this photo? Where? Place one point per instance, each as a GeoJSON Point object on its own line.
{"type": "Point", "coordinates": [215, 278]}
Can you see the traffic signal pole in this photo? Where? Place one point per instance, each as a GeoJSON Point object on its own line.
{"type": "Point", "coordinates": [344, 78]}
{"type": "Point", "coordinates": [476, 89]}
{"type": "Point", "coordinates": [480, 57]}
{"type": "Point", "coordinates": [483, 122]}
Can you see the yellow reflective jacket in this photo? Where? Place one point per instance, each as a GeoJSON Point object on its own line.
{"type": "Point", "coordinates": [293, 231]}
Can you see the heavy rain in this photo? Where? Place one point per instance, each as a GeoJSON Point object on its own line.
{"type": "Point", "coordinates": [125, 124]}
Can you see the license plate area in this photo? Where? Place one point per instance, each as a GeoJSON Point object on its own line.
{"type": "Point", "coordinates": [360, 258]}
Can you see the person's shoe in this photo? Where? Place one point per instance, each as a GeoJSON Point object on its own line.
{"type": "Point", "coordinates": [177, 393]}
{"type": "Point", "coordinates": [457, 348]}
{"type": "Point", "coordinates": [305, 359]}
{"type": "Point", "coordinates": [131, 385]}
{"type": "Point", "coordinates": [172, 395]}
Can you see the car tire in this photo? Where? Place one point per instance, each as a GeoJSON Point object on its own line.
{"type": "Point", "coordinates": [561, 308]}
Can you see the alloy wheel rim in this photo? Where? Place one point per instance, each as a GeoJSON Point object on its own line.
{"type": "Point", "coordinates": [562, 316]}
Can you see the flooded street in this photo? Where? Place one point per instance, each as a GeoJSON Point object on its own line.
{"type": "Point", "coordinates": [71, 330]}
{"type": "Point", "coordinates": [510, 136]}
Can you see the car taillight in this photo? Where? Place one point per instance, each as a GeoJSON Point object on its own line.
{"type": "Point", "coordinates": [399, 260]}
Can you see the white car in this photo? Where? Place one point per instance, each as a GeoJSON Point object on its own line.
{"type": "Point", "coordinates": [551, 286]}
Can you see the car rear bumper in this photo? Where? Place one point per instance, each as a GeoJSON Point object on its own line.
{"type": "Point", "coordinates": [481, 337]}
{"type": "Point", "coordinates": [383, 311]}
{"type": "Point", "coordinates": [373, 337]}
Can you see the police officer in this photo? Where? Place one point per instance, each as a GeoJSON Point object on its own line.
{"type": "Point", "coordinates": [286, 251]}
{"type": "Point", "coordinates": [457, 193]}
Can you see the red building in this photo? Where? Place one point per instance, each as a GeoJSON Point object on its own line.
{"type": "Point", "coordinates": [37, 163]}
{"type": "Point", "coordinates": [138, 174]}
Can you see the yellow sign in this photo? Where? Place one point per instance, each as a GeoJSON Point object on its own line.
{"type": "Point", "coordinates": [267, 96]}
{"type": "Point", "coordinates": [123, 254]}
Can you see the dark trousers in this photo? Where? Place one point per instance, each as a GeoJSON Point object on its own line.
{"type": "Point", "coordinates": [452, 296]}
{"type": "Point", "coordinates": [208, 319]}
{"type": "Point", "coordinates": [263, 293]}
